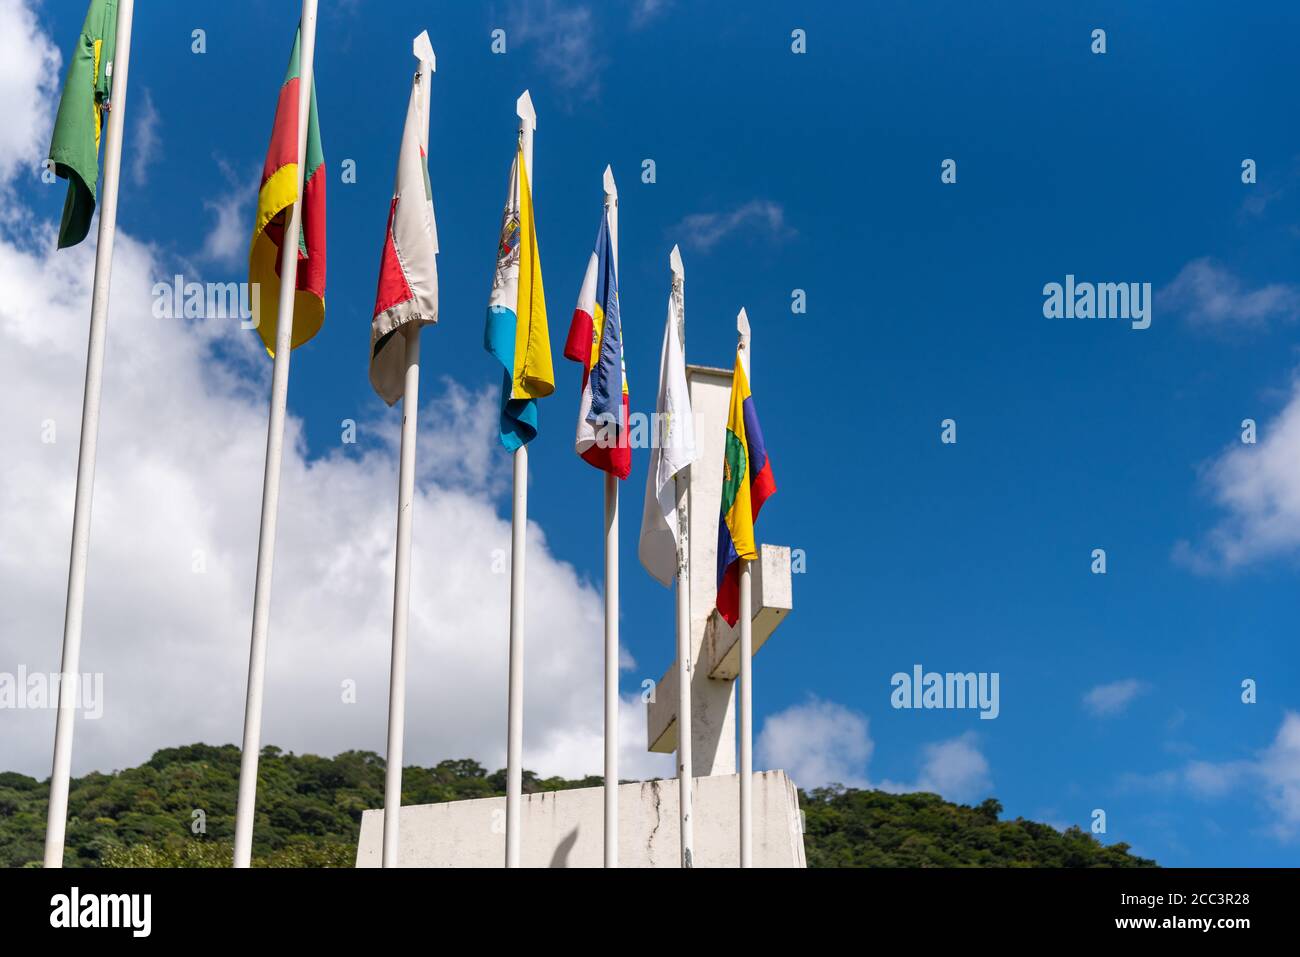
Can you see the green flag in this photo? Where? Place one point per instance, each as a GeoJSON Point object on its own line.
{"type": "Point", "coordinates": [75, 146]}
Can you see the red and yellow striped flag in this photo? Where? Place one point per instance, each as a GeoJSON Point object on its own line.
{"type": "Point", "coordinates": [276, 197]}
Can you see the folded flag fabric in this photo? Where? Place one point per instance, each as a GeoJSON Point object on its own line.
{"type": "Point", "coordinates": [596, 341]}
{"type": "Point", "coordinates": [275, 199]}
{"type": "Point", "coordinates": [74, 148]}
{"type": "Point", "coordinates": [747, 482]}
{"type": "Point", "coordinates": [516, 333]}
{"type": "Point", "coordinates": [408, 265]}
{"type": "Point", "coordinates": [673, 447]}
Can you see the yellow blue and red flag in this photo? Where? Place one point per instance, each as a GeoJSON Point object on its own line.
{"type": "Point", "coordinates": [747, 482]}
{"type": "Point", "coordinates": [596, 340]}
{"type": "Point", "coordinates": [516, 333]}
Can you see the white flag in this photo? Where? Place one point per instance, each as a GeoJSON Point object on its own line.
{"type": "Point", "coordinates": [673, 445]}
{"type": "Point", "coordinates": [408, 267]}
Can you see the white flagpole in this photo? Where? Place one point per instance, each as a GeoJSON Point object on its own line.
{"type": "Point", "coordinates": [405, 515]}
{"type": "Point", "coordinates": [746, 718]}
{"type": "Point", "coordinates": [70, 669]}
{"type": "Point", "coordinates": [611, 597]}
{"type": "Point", "coordinates": [247, 804]}
{"type": "Point", "coordinates": [685, 670]}
{"type": "Point", "coordinates": [401, 596]}
{"type": "Point", "coordinates": [746, 613]}
{"type": "Point", "coordinates": [518, 526]}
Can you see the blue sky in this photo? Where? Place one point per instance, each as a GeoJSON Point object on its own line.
{"type": "Point", "coordinates": [821, 172]}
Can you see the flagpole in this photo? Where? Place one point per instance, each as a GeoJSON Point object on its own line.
{"type": "Point", "coordinates": [405, 516]}
{"type": "Point", "coordinates": [746, 717]}
{"type": "Point", "coordinates": [685, 667]}
{"type": "Point", "coordinates": [70, 667]}
{"type": "Point", "coordinates": [247, 803]}
{"type": "Point", "coordinates": [685, 670]}
{"type": "Point", "coordinates": [401, 596]}
{"type": "Point", "coordinates": [611, 596]}
{"type": "Point", "coordinates": [518, 525]}
{"type": "Point", "coordinates": [746, 614]}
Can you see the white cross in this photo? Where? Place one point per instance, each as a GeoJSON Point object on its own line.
{"type": "Point", "coordinates": [714, 644]}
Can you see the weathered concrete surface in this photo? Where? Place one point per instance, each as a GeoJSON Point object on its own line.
{"type": "Point", "coordinates": [720, 652]}
{"type": "Point", "coordinates": [772, 601]}
{"type": "Point", "coordinates": [566, 828]}
{"type": "Point", "coordinates": [713, 702]}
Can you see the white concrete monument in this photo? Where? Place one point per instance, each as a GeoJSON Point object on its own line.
{"type": "Point", "coordinates": [565, 828]}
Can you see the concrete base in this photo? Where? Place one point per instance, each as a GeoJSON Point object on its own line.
{"type": "Point", "coordinates": [566, 828]}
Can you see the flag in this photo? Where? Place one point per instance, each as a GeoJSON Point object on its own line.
{"type": "Point", "coordinates": [596, 340]}
{"type": "Point", "coordinates": [673, 446]}
{"type": "Point", "coordinates": [408, 268]}
{"type": "Point", "coordinates": [275, 199]}
{"type": "Point", "coordinates": [516, 331]}
{"type": "Point", "coordinates": [74, 148]}
{"type": "Point", "coordinates": [747, 483]}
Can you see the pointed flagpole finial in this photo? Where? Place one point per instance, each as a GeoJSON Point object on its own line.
{"type": "Point", "coordinates": [742, 347]}
{"type": "Point", "coordinates": [675, 262]}
{"type": "Point", "coordinates": [610, 189]}
{"type": "Point", "coordinates": [423, 50]}
{"type": "Point", "coordinates": [524, 110]}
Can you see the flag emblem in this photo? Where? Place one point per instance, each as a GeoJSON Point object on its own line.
{"type": "Point", "coordinates": [747, 483]}
{"type": "Point", "coordinates": [516, 334]}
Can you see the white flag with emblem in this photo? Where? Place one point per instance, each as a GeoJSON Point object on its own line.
{"type": "Point", "coordinates": [673, 445]}
{"type": "Point", "coordinates": [408, 266]}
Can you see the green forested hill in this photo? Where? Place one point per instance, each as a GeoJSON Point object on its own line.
{"type": "Point", "coordinates": [178, 809]}
{"type": "Point", "coordinates": [845, 827]}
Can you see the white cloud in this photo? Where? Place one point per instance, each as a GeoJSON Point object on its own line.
{"type": "Point", "coordinates": [1212, 297]}
{"type": "Point", "coordinates": [1279, 769]}
{"type": "Point", "coordinates": [705, 230]}
{"type": "Point", "coordinates": [226, 243]}
{"type": "Point", "coordinates": [182, 442]}
{"type": "Point", "coordinates": [564, 40]}
{"type": "Point", "coordinates": [956, 769]}
{"type": "Point", "coordinates": [181, 448]}
{"type": "Point", "coordinates": [820, 743]}
{"type": "Point", "coordinates": [1108, 700]}
{"type": "Point", "coordinates": [144, 140]}
{"type": "Point", "coordinates": [30, 79]}
{"type": "Point", "coordinates": [1273, 775]}
{"type": "Point", "coordinates": [1258, 489]}
{"type": "Point", "coordinates": [646, 11]}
